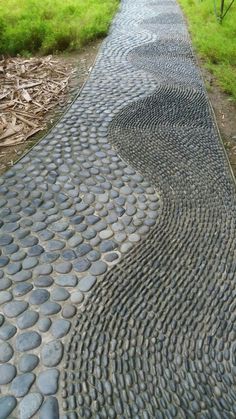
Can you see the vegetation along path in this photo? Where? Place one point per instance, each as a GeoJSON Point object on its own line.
{"type": "Point", "coordinates": [118, 243]}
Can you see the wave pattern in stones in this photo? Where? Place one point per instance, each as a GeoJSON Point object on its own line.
{"type": "Point", "coordinates": [157, 338]}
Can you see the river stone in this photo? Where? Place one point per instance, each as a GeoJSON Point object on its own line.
{"type": "Point", "coordinates": [60, 328]}
{"type": "Point", "coordinates": [5, 283]}
{"type": "Point", "coordinates": [68, 311]}
{"type": "Point", "coordinates": [43, 281]}
{"type": "Point", "coordinates": [6, 352]}
{"type": "Point", "coordinates": [44, 324]}
{"type": "Point", "coordinates": [38, 297]}
{"type": "Point", "coordinates": [66, 281]}
{"type": "Point", "coordinates": [98, 268]}
{"type": "Point", "coordinates": [14, 308]}
{"type": "Point", "coordinates": [50, 409]}
{"type": "Point", "coordinates": [59, 294]}
{"type": "Point", "coordinates": [86, 283]}
{"type": "Point", "coordinates": [29, 405]}
{"type": "Point", "coordinates": [47, 381]}
{"type": "Point", "coordinates": [28, 362]}
{"type": "Point", "coordinates": [77, 297]}
{"type": "Point", "coordinates": [49, 308]}
{"type": "Point", "coordinates": [21, 384]}
{"type": "Point", "coordinates": [51, 353]}
{"type": "Point", "coordinates": [28, 319]}
{"type": "Point", "coordinates": [7, 373]}
{"type": "Point", "coordinates": [81, 264]}
{"type": "Point", "coordinates": [5, 297]}
{"type": "Point", "coordinates": [7, 331]}
{"type": "Point", "coordinates": [27, 340]}
{"type": "Point", "coordinates": [22, 289]}
{"type": "Point", "coordinates": [7, 405]}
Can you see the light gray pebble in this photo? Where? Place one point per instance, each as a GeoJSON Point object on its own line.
{"type": "Point", "coordinates": [29, 405]}
{"type": "Point", "coordinates": [120, 236]}
{"type": "Point", "coordinates": [93, 256]}
{"type": "Point", "coordinates": [7, 405]}
{"type": "Point", "coordinates": [44, 269]}
{"type": "Point", "coordinates": [66, 280]}
{"type": "Point", "coordinates": [50, 409]}
{"type": "Point", "coordinates": [63, 267]}
{"type": "Point", "coordinates": [7, 331]}
{"type": "Point", "coordinates": [14, 308]}
{"type": "Point", "coordinates": [81, 265]}
{"type": "Point", "coordinates": [28, 319]}
{"type": "Point", "coordinates": [29, 263]}
{"type": "Point", "coordinates": [27, 340]}
{"type": "Point", "coordinates": [22, 276]}
{"type": "Point", "coordinates": [94, 242]}
{"type": "Point", "coordinates": [98, 268]}
{"type": "Point", "coordinates": [110, 257]}
{"type": "Point", "coordinates": [5, 283]}
{"type": "Point", "coordinates": [107, 246]}
{"type": "Point", "coordinates": [89, 198]}
{"type": "Point", "coordinates": [6, 352]}
{"type": "Point", "coordinates": [22, 289]}
{"type": "Point", "coordinates": [43, 281]}
{"type": "Point", "coordinates": [77, 297]}
{"type": "Point", "coordinates": [21, 384]}
{"type": "Point", "coordinates": [44, 324]}
{"type": "Point", "coordinates": [49, 308]}
{"type": "Point", "coordinates": [28, 362]}
{"type": "Point", "coordinates": [52, 353]}
{"type": "Point", "coordinates": [38, 296]}
{"type": "Point", "coordinates": [126, 247]}
{"type": "Point", "coordinates": [7, 373]}
{"type": "Point", "coordinates": [86, 283]}
{"type": "Point", "coordinates": [117, 227]}
{"type": "Point", "coordinates": [60, 328]}
{"type": "Point", "coordinates": [13, 268]}
{"type": "Point", "coordinates": [5, 297]}
{"type": "Point", "coordinates": [68, 311]}
{"type": "Point", "coordinates": [59, 294]}
{"type": "Point", "coordinates": [47, 381]}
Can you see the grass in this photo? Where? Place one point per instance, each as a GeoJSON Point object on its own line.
{"type": "Point", "coordinates": [215, 42]}
{"type": "Point", "coordinates": [50, 26]}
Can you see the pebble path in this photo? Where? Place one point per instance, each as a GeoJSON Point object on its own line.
{"type": "Point", "coordinates": [117, 237]}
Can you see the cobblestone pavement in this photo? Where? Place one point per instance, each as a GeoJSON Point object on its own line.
{"type": "Point", "coordinates": [117, 263]}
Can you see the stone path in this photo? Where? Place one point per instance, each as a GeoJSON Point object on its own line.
{"type": "Point", "coordinates": [117, 264]}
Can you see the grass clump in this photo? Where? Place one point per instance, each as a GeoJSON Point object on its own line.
{"type": "Point", "coordinates": [215, 42]}
{"type": "Point", "coordinates": [49, 26]}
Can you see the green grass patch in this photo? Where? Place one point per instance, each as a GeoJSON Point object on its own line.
{"type": "Point", "coordinates": [49, 26]}
{"type": "Point", "coordinates": [215, 42]}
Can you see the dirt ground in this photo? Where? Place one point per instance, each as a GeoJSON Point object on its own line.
{"type": "Point", "coordinates": [223, 106]}
{"type": "Point", "coordinates": [82, 63]}
{"type": "Point", "coordinates": [225, 111]}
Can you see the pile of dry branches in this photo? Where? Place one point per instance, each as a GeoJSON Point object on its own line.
{"type": "Point", "coordinates": [29, 89]}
